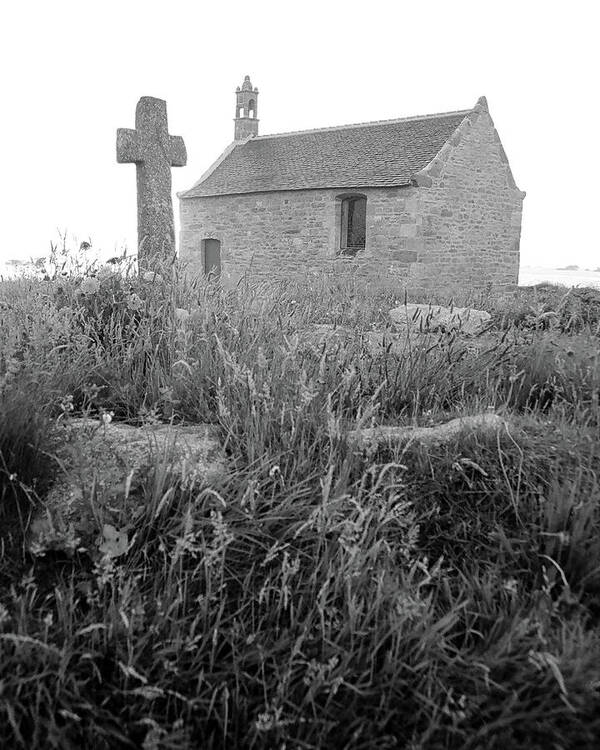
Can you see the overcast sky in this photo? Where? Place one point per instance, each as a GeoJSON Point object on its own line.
{"type": "Point", "coordinates": [72, 73]}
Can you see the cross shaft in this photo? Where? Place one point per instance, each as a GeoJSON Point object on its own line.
{"type": "Point", "coordinates": [154, 152]}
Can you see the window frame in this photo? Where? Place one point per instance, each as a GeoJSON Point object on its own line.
{"type": "Point", "coordinates": [343, 203]}
{"type": "Point", "coordinates": [210, 274]}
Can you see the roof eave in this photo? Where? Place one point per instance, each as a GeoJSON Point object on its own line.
{"type": "Point", "coordinates": [215, 165]}
{"type": "Point", "coordinates": [354, 186]}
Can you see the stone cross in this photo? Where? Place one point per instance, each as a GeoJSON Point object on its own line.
{"type": "Point", "coordinates": [154, 152]}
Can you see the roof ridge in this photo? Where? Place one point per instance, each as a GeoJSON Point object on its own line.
{"type": "Point", "coordinates": [360, 124]}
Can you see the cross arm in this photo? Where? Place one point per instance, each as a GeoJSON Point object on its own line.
{"type": "Point", "coordinates": [177, 152]}
{"type": "Point", "coordinates": [128, 146]}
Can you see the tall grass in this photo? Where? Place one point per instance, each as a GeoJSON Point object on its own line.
{"type": "Point", "coordinates": [317, 595]}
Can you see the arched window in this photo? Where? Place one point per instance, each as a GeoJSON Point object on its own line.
{"type": "Point", "coordinates": [251, 108]}
{"type": "Point", "coordinates": [353, 224]}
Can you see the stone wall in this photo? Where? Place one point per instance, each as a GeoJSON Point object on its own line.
{"type": "Point", "coordinates": [471, 212]}
{"type": "Point", "coordinates": [296, 232]}
{"type": "Point", "coordinates": [456, 230]}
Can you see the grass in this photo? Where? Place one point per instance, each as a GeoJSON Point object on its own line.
{"type": "Point", "coordinates": [317, 596]}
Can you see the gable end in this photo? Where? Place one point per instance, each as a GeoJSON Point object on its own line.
{"type": "Point", "coordinates": [424, 177]}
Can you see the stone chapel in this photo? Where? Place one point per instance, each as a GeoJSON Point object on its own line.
{"type": "Point", "coordinates": [417, 203]}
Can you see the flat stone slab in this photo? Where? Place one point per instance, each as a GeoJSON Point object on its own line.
{"type": "Point", "coordinates": [412, 326]}
{"type": "Point", "coordinates": [103, 468]}
{"type": "Point", "coordinates": [326, 334]}
{"type": "Point", "coordinates": [437, 318]}
{"type": "Point", "coordinates": [387, 435]}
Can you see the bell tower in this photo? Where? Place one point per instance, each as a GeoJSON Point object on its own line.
{"type": "Point", "coordinates": [246, 120]}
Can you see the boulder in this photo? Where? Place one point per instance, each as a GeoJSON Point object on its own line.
{"type": "Point", "coordinates": [437, 318]}
{"type": "Point", "coordinates": [376, 341]}
{"type": "Point", "coordinates": [319, 333]}
{"type": "Point", "coordinates": [387, 435]}
{"type": "Point", "coordinates": [330, 335]}
{"type": "Point", "coordinates": [103, 466]}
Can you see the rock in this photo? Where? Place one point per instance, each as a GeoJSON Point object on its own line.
{"type": "Point", "coordinates": [256, 306]}
{"type": "Point", "coordinates": [377, 341]}
{"type": "Point", "coordinates": [400, 341]}
{"type": "Point", "coordinates": [104, 466]}
{"type": "Point", "coordinates": [330, 336]}
{"type": "Point", "coordinates": [388, 340]}
{"type": "Point", "coordinates": [436, 318]}
{"type": "Point", "coordinates": [435, 435]}
{"type": "Point", "coordinates": [320, 332]}
{"type": "Point", "coordinates": [181, 315]}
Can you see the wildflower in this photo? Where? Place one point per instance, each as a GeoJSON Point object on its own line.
{"type": "Point", "coordinates": [90, 285]}
{"type": "Point", "coordinates": [320, 674]}
{"type": "Point", "coordinates": [152, 276]}
{"type": "Point", "coordinates": [107, 417]}
{"type": "Point", "coordinates": [134, 302]}
{"type": "Point", "coordinates": [271, 719]}
{"type": "Point", "coordinates": [264, 722]}
{"type": "Point", "coordinates": [261, 361]}
{"type": "Point", "coordinates": [105, 272]}
{"type": "Point", "coordinates": [222, 538]}
{"type": "Point", "coordinates": [4, 616]}
{"type": "Point", "coordinates": [104, 570]}
{"type": "Point", "coordinates": [114, 541]}
{"type": "Point", "coordinates": [563, 537]}
{"type": "Point", "coordinates": [196, 314]}
{"type": "Point", "coordinates": [66, 404]}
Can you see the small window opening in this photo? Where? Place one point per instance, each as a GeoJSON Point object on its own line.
{"type": "Point", "coordinates": [251, 108]}
{"type": "Point", "coordinates": [211, 258]}
{"type": "Point", "coordinates": [353, 225]}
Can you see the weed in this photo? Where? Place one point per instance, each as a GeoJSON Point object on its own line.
{"type": "Point", "coordinates": [316, 595]}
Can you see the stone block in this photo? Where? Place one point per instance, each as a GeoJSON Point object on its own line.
{"type": "Point", "coordinates": [403, 256]}
{"type": "Point", "coordinates": [408, 230]}
{"type": "Point", "coordinates": [436, 318]}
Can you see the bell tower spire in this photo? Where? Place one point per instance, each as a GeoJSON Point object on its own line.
{"type": "Point", "coordinates": [246, 113]}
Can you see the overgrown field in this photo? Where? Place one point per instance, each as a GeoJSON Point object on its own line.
{"type": "Point", "coordinates": [319, 596]}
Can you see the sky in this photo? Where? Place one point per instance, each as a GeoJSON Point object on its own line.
{"type": "Point", "coordinates": [72, 73]}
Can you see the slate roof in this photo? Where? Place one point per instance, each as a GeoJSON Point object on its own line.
{"type": "Point", "coordinates": [384, 153]}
